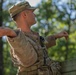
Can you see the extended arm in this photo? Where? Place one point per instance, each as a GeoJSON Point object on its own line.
{"type": "Point", "coordinates": [62, 34]}
{"type": "Point", "coordinates": [7, 32]}
{"type": "Point", "coordinates": [52, 39]}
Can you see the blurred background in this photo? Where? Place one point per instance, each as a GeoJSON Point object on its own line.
{"type": "Point", "coordinates": [53, 16]}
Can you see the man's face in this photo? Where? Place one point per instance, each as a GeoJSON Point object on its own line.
{"type": "Point", "coordinates": [30, 17]}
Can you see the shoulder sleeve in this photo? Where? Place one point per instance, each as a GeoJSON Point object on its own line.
{"type": "Point", "coordinates": [51, 41]}
{"type": "Point", "coordinates": [18, 40]}
{"type": "Point", "coordinates": [22, 49]}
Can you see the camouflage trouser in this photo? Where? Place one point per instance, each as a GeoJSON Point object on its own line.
{"type": "Point", "coordinates": [28, 73]}
{"type": "Point", "coordinates": [34, 73]}
{"type": "Point", "coordinates": [41, 71]}
{"type": "Point", "coordinates": [53, 69]}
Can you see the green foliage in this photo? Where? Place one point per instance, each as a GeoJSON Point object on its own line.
{"type": "Point", "coordinates": [50, 20]}
{"type": "Point", "coordinates": [53, 16]}
{"type": "Point", "coordinates": [9, 68]}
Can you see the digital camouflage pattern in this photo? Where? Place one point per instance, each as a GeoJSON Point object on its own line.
{"type": "Point", "coordinates": [29, 54]}
{"type": "Point", "coordinates": [18, 7]}
{"type": "Point", "coordinates": [29, 50]}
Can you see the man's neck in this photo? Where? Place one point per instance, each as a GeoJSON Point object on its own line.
{"type": "Point", "coordinates": [24, 27]}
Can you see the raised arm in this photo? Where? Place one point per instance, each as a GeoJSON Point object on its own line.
{"type": "Point", "coordinates": [52, 39]}
{"type": "Point", "coordinates": [4, 31]}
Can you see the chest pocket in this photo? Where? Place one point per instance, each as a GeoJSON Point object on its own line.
{"type": "Point", "coordinates": [37, 47]}
{"type": "Point", "coordinates": [33, 44]}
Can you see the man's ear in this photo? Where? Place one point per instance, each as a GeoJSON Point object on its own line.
{"type": "Point", "coordinates": [23, 14]}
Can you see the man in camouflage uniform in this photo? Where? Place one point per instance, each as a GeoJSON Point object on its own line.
{"type": "Point", "coordinates": [28, 49]}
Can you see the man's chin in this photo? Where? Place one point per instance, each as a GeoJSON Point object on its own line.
{"type": "Point", "coordinates": [34, 23]}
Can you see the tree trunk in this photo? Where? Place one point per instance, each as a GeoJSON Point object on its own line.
{"type": "Point", "coordinates": [67, 43]}
{"type": "Point", "coordinates": [1, 42]}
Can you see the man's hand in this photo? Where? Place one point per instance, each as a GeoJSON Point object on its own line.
{"type": "Point", "coordinates": [62, 34]}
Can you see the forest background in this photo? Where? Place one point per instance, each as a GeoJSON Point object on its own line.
{"type": "Point", "coordinates": [53, 16]}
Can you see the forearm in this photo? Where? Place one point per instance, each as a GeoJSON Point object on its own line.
{"type": "Point", "coordinates": [52, 39]}
{"type": "Point", "coordinates": [6, 32]}
{"type": "Point", "coordinates": [61, 34]}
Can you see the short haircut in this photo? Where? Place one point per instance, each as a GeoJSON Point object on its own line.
{"type": "Point", "coordinates": [15, 17]}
